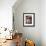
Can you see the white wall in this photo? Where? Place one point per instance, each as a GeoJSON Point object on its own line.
{"type": "Point", "coordinates": [28, 6]}
{"type": "Point", "coordinates": [6, 13]}
{"type": "Point", "coordinates": [43, 22]}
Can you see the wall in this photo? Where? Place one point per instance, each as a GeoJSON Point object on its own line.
{"type": "Point", "coordinates": [6, 13]}
{"type": "Point", "coordinates": [28, 6]}
{"type": "Point", "coordinates": [43, 22]}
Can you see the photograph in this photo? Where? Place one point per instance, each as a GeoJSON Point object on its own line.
{"type": "Point", "coordinates": [28, 19]}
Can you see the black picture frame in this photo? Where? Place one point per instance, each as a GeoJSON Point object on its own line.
{"type": "Point", "coordinates": [28, 19]}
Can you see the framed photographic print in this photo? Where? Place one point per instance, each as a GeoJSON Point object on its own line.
{"type": "Point", "coordinates": [28, 19]}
